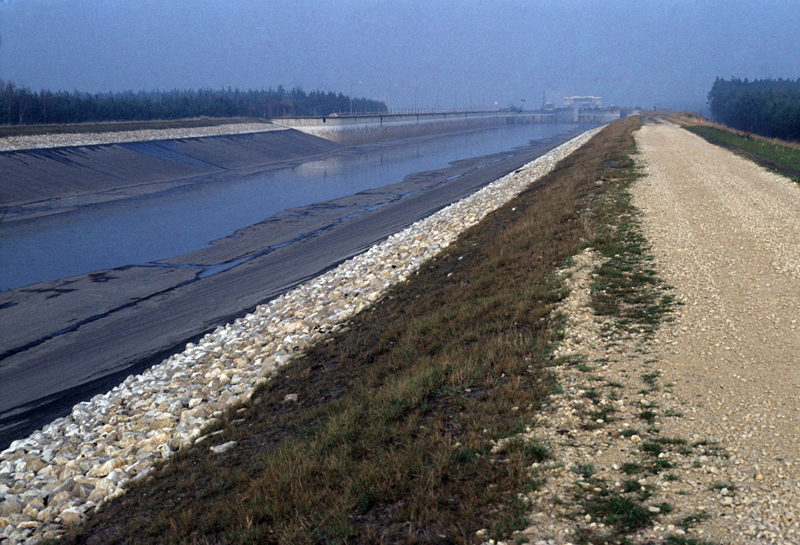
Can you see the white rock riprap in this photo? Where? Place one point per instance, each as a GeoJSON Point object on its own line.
{"type": "Point", "coordinates": [39, 141]}
{"type": "Point", "coordinates": [49, 480]}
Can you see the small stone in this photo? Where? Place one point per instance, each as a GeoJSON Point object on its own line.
{"type": "Point", "coordinates": [224, 447]}
{"type": "Point", "coordinates": [34, 465]}
{"type": "Point", "coordinates": [11, 506]}
{"type": "Point", "coordinates": [70, 517]}
{"type": "Point", "coordinates": [31, 511]}
{"type": "Point", "coordinates": [106, 468]}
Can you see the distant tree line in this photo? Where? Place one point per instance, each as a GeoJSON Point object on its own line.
{"type": "Point", "coordinates": [21, 106]}
{"type": "Point", "coordinates": [767, 107]}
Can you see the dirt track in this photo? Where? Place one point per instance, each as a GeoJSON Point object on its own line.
{"type": "Point", "coordinates": [726, 235]}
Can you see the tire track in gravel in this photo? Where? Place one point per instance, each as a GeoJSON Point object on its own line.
{"type": "Point", "coordinates": [726, 234]}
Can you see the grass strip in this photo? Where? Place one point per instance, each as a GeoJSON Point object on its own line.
{"type": "Point", "coordinates": [392, 434]}
{"type": "Point", "coordinates": [626, 286]}
{"type": "Point", "coordinates": [771, 153]}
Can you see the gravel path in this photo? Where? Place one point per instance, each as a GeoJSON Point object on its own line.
{"type": "Point", "coordinates": [726, 234]}
{"type": "Point", "coordinates": [703, 417]}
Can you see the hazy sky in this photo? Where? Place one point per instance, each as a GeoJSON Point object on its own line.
{"type": "Point", "coordinates": [461, 53]}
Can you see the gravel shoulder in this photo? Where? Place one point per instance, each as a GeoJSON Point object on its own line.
{"type": "Point", "coordinates": [704, 414]}
{"type": "Point", "coordinates": [725, 234]}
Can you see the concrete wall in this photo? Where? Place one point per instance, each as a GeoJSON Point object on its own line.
{"type": "Point", "coordinates": [598, 116]}
{"type": "Point", "coordinates": [370, 128]}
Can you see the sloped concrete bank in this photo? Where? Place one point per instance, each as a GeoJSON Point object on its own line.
{"type": "Point", "coordinates": [373, 128]}
{"type": "Point", "coordinates": [104, 167]}
{"type": "Point", "coordinates": [50, 480]}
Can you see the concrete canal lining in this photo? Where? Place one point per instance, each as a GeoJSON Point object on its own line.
{"type": "Point", "coordinates": [359, 129]}
{"type": "Point", "coordinates": [42, 181]}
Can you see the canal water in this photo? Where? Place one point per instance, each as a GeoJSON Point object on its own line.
{"type": "Point", "coordinates": [149, 228]}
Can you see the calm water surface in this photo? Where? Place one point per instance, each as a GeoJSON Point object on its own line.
{"type": "Point", "coordinates": [153, 227]}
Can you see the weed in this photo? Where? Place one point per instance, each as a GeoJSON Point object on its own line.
{"type": "Point", "coordinates": [630, 485]}
{"type": "Point", "coordinates": [670, 440]}
{"type": "Point", "coordinates": [529, 451]}
{"type": "Point", "coordinates": [660, 465]}
{"type": "Point", "coordinates": [709, 448]}
{"type": "Point", "coordinates": [693, 520]}
{"type": "Point", "coordinates": [625, 514]}
{"type": "Point", "coordinates": [651, 378]}
{"type": "Point", "coordinates": [648, 416]}
{"type": "Point", "coordinates": [585, 470]}
{"type": "Point", "coordinates": [651, 447]}
{"type": "Point", "coordinates": [624, 287]}
{"type": "Point", "coordinates": [683, 540]}
{"type": "Point", "coordinates": [664, 507]}
{"type": "Point", "coordinates": [592, 394]}
{"type": "Point", "coordinates": [632, 468]}
{"type": "Point", "coordinates": [726, 484]}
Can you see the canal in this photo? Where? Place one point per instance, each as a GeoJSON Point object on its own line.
{"type": "Point", "coordinates": [149, 228]}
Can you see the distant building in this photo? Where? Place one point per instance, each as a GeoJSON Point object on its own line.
{"type": "Point", "coordinates": [583, 103]}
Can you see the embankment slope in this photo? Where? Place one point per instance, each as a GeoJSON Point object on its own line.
{"type": "Point", "coordinates": [42, 181]}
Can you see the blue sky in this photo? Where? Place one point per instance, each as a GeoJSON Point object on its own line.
{"type": "Point", "coordinates": [663, 53]}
